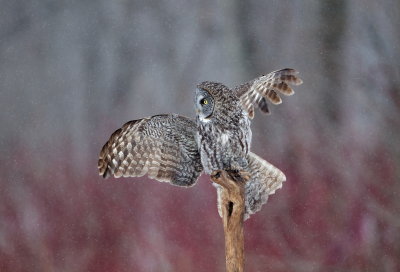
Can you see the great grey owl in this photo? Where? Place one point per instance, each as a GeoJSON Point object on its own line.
{"type": "Point", "coordinates": [177, 149]}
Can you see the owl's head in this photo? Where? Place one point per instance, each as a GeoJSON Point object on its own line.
{"type": "Point", "coordinates": [204, 103]}
{"type": "Point", "coordinates": [214, 100]}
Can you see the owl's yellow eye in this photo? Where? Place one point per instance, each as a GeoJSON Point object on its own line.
{"type": "Point", "coordinates": [204, 101]}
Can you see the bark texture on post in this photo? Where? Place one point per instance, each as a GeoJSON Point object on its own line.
{"type": "Point", "coordinates": [232, 206]}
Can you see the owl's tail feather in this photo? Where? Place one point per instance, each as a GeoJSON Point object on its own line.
{"type": "Point", "coordinates": [265, 180]}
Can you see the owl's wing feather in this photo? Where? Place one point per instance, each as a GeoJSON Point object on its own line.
{"type": "Point", "coordinates": [162, 146]}
{"type": "Point", "coordinates": [265, 179]}
{"type": "Point", "coordinates": [256, 92]}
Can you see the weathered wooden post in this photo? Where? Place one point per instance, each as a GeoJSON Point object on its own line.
{"type": "Point", "coordinates": [232, 206]}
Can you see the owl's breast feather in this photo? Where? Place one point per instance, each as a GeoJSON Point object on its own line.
{"type": "Point", "coordinates": [224, 138]}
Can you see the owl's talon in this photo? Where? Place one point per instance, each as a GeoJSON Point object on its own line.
{"type": "Point", "coordinates": [239, 176]}
{"type": "Point", "coordinates": [216, 174]}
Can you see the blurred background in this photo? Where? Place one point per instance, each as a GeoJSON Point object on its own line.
{"type": "Point", "coordinates": [72, 72]}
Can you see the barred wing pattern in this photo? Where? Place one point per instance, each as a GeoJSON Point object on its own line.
{"type": "Point", "coordinates": [256, 92]}
{"type": "Point", "coordinates": [161, 146]}
{"type": "Point", "coordinates": [265, 180]}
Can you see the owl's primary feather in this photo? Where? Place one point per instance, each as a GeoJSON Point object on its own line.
{"type": "Point", "coordinates": [256, 92]}
{"type": "Point", "coordinates": [161, 146]}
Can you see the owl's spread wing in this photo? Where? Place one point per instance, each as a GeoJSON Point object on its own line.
{"type": "Point", "coordinates": [161, 146]}
{"type": "Point", "coordinates": [265, 179]}
{"type": "Point", "coordinates": [256, 92]}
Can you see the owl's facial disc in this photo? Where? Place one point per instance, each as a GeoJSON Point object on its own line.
{"type": "Point", "coordinates": [204, 104]}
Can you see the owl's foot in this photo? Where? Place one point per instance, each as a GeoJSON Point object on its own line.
{"type": "Point", "coordinates": [238, 175]}
{"type": "Point", "coordinates": [234, 175]}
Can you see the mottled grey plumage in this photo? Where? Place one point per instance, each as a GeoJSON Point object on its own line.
{"type": "Point", "coordinates": [265, 179]}
{"type": "Point", "coordinates": [224, 136]}
{"type": "Point", "coordinates": [176, 149]}
{"type": "Point", "coordinates": [162, 146]}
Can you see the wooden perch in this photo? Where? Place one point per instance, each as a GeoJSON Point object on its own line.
{"type": "Point", "coordinates": [233, 207]}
